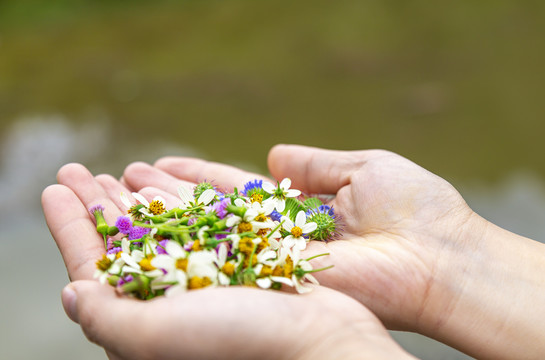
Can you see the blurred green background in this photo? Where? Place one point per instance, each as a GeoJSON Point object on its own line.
{"type": "Point", "coordinates": [456, 86]}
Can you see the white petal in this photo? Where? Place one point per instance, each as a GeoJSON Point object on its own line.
{"type": "Point", "coordinates": [300, 219]}
{"type": "Point", "coordinates": [240, 203]}
{"type": "Point", "coordinates": [282, 280]}
{"type": "Point", "coordinates": [130, 269]}
{"type": "Point", "coordinates": [163, 262]}
{"type": "Point", "coordinates": [292, 193]}
{"type": "Point", "coordinates": [154, 273]}
{"type": "Point", "coordinates": [185, 195]}
{"type": "Point", "coordinates": [268, 187]}
{"type": "Point", "coordinates": [312, 279]}
{"type": "Point", "coordinates": [280, 205]}
{"type": "Point", "coordinates": [305, 265]}
{"type": "Point", "coordinates": [288, 224]}
{"type": "Point", "coordinates": [250, 214]}
{"type": "Point", "coordinates": [267, 207]}
{"type": "Point", "coordinates": [309, 227]}
{"type": "Point", "coordinates": [200, 233]}
{"type": "Point", "coordinates": [174, 249]}
{"type": "Point", "coordinates": [264, 283]}
{"type": "Point", "coordinates": [300, 243]}
{"type": "Point", "coordinates": [140, 198]}
{"type": "Point", "coordinates": [223, 279]}
{"type": "Point", "coordinates": [300, 288]}
{"type": "Point", "coordinates": [207, 196]}
{"type": "Point", "coordinates": [285, 184]}
{"type": "Point", "coordinates": [160, 198]}
{"type": "Point", "coordinates": [125, 200]}
{"type": "Point", "coordinates": [129, 261]}
{"type": "Point", "coordinates": [232, 221]}
{"type": "Point", "coordinates": [125, 246]}
{"type": "Point", "coordinates": [288, 242]}
{"type": "Point", "coordinates": [266, 255]}
{"type": "Point", "coordinates": [273, 243]}
{"type": "Point", "coordinates": [222, 255]}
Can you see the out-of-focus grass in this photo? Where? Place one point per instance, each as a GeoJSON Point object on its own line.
{"type": "Point", "coordinates": [456, 86]}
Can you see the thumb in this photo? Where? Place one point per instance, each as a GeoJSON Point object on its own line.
{"type": "Point", "coordinates": [315, 170]}
{"type": "Point", "coordinates": [105, 318]}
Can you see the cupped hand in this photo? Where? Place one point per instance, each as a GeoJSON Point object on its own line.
{"type": "Point", "coordinates": [402, 226]}
{"type": "Point", "coordinates": [232, 322]}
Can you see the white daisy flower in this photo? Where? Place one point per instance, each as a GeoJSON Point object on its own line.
{"type": "Point", "coordinates": [188, 200]}
{"type": "Point", "coordinates": [297, 230]}
{"type": "Point", "coordinates": [307, 267]}
{"type": "Point", "coordinates": [155, 207]}
{"type": "Point", "coordinates": [226, 268]}
{"type": "Point", "coordinates": [247, 219]}
{"type": "Point", "coordinates": [280, 193]}
{"type": "Point", "coordinates": [175, 264]}
{"type": "Point", "coordinates": [137, 261]}
{"type": "Point", "coordinates": [108, 265]}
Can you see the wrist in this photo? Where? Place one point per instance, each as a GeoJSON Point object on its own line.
{"type": "Point", "coordinates": [487, 298]}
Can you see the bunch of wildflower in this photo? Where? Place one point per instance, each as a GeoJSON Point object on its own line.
{"type": "Point", "coordinates": [252, 238]}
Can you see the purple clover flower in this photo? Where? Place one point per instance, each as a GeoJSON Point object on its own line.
{"type": "Point", "coordinates": [96, 208]}
{"type": "Point", "coordinates": [220, 207]}
{"type": "Point", "coordinates": [124, 224]}
{"type": "Point", "coordinates": [137, 232]}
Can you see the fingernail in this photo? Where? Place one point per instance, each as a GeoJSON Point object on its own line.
{"type": "Point", "coordinates": [69, 299]}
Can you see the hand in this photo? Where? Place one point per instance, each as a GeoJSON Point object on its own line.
{"type": "Point", "coordinates": [412, 250]}
{"type": "Point", "coordinates": [232, 322]}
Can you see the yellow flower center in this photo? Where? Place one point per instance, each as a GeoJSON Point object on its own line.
{"type": "Point", "coordinates": [196, 246]}
{"type": "Point", "coordinates": [266, 270]}
{"type": "Point", "coordinates": [197, 282]}
{"type": "Point", "coordinates": [244, 227]}
{"type": "Point", "coordinates": [104, 263]}
{"type": "Point", "coordinates": [228, 269]}
{"type": "Point", "coordinates": [278, 271]}
{"type": "Point", "coordinates": [296, 231]}
{"type": "Point", "coordinates": [145, 263]}
{"type": "Point", "coordinates": [246, 246]}
{"type": "Point", "coordinates": [260, 217]}
{"type": "Point", "coordinates": [256, 198]}
{"type": "Point", "coordinates": [181, 264]}
{"type": "Point", "coordinates": [288, 267]}
{"type": "Point", "coordinates": [246, 262]}
{"type": "Point", "coordinates": [262, 245]}
{"type": "Point", "coordinates": [156, 207]}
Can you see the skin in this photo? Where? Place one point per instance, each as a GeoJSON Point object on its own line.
{"type": "Point", "coordinates": [411, 250]}
{"type": "Point", "coordinates": [235, 322]}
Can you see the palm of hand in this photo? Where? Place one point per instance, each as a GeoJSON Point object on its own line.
{"type": "Point", "coordinates": [393, 213]}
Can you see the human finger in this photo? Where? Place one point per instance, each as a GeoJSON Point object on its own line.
{"type": "Point", "coordinates": [88, 190]}
{"type": "Point", "coordinates": [139, 175]}
{"type": "Point", "coordinates": [315, 170]}
{"type": "Point", "coordinates": [197, 170]}
{"type": "Point", "coordinates": [74, 232]}
{"type": "Point", "coordinates": [113, 189]}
